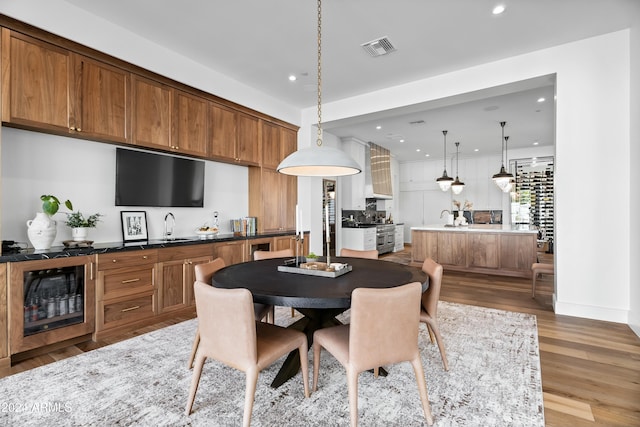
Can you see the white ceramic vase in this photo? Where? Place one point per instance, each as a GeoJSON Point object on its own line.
{"type": "Point", "coordinates": [79, 234]}
{"type": "Point", "coordinates": [41, 231]}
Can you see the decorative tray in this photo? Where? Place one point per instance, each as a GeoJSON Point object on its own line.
{"type": "Point", "coordinates": [77, 243]}
{"type": "Point", "coordinates": [317, 269]}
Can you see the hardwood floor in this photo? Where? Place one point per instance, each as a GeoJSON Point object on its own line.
{"type": "Point", "coordinates": [590, 369]}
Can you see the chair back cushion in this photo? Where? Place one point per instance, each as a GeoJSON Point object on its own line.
{"type": "Point", "coordinates": [384, 325]}
{"type": "Point", "coordinates": [356, 253]}
{"type": "Point", "coordinates": [258, 255]}
{"type": "Point", "coordinates": [204, 272]}
{"type": "Point", "coordinates": [431, 296]}
{"type": "Point", "coordinates": [227, 325]}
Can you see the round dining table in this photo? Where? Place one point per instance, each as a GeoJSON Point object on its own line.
{"type": "Point", "coordinates": [319, 299]}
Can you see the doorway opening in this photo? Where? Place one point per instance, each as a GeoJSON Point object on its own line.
{"type": "Point", "coordinates": [329, 217]}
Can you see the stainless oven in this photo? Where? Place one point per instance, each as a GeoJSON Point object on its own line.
{"type": "Point", "coordinates": [385, 238]}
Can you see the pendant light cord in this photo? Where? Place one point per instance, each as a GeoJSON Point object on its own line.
{"type": "Point", "coordinates": [444, 132]}
{"type": "Point", "coordinates": [502, 154]}
{"type": "Point", "coordinates": [319, 140]}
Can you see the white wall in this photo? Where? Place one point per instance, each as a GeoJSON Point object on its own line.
{"type": "Point", "coordinates": [592, 134]}
{"type": "Point", "coordinates": [84, 172]}
{"type": "Point", "coordinates": [634, 161]}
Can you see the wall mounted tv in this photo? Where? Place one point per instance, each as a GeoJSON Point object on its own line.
{"type": "Point", "coordinates": [147, 179]}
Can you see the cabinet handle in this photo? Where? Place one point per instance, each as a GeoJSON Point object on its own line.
{"type": "Point", "coordinates": [114, 260]}
{"type": "Point", "coordinates": [144, 257]}
{"type": "Point", "coordinates": [135, 307]}
{"type": "Point", "coordinates": [130, 281]}
{"type": "Point", "coordinates": [79, 130]}
{"type": "Point", "coordinates": [72, 128]}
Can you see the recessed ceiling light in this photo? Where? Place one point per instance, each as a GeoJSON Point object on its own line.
{"type": "Point", "coordinates": [292, 78]}
{"type": "Point", "coordinates": [378, 127]}
{"type": "Point", "coordinates": [536, 143]}
{"type": "Point", "coordinates": [476, 149]}
{"type": "Point", "coordinates": [402, 140]}
{"type": "Point", "coordinates": [418, 150]}
{"type": "Point", "coordinates": [498, 9]}
{"type": "Point", "coordinates": [427, 155]}
{"type": "Point", "coordinates": [541, 99]}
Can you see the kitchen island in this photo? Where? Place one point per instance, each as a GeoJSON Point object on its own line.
{"type": "Point", "coordinates": [479, 248]}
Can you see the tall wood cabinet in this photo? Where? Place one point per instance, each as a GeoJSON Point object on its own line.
{"type": "Point", "coordinates": [233, 136]}
{"type": "Point", "coordinates": [272, 198]}
{"type": "Point", "coordinates": [47, 87]}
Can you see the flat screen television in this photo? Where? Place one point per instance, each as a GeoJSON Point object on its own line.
{"type": "Point", "coordinates": [148, 179]}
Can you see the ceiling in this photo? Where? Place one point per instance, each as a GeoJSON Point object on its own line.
{"type": "Point", "coordinates": [260, 43]}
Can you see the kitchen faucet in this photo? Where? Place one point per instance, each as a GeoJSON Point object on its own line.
{"type": "Point", "coordinates": [168, 232]}
{"type": "Point", "coordinates": [443, 211]}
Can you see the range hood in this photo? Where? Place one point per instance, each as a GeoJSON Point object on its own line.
{"type": "Point", "coordinates": [377, 181]}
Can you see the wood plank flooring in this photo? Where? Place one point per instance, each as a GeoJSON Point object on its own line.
{"type": "Point", "coordinates": [590, 369]}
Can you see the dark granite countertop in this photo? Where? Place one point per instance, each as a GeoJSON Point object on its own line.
{"type": "Point", "coordinates": [101, 248]}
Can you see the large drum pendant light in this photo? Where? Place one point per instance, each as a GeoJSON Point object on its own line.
{"type": "Point", "coordinates": [457, 186]}
{"type": "Point", "coordinates": [445, 181]}
{"type": "Point", "coordinates": [503, 178]}
{"type": "Point", "coordinates": [320, 161]}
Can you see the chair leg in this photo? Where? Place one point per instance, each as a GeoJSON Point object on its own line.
{"type": "Point", "coordinates": [304, 366]}
{"type": "Point", "coordinates": [533, 285]}
{"type": "Point", "coordinates": [293, 312]}
{"type": "Point", "coordinates": [443, 353]}
{"type": "Point", "coordinates": [195, 380]}
{"type": "Point", "coordinates": [430, 333]}
{"type": "Point", "coordinates": [249, 395]}
{"type": "Point", "coordinates": [422, 389]}
{"type": "Point", "coordinates": [194, 348]}
{"type": "Point", "coordinates": [272, 315]}
{"type": "Point", "coordinates": [352, 388]}
{"type": "Point", "coordinates": [316, 364]}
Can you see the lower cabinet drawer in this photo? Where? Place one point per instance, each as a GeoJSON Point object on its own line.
{"type": "Point", "coordinates": [127, 282]}
{"type": "Point", "coordinates": [121, 312]}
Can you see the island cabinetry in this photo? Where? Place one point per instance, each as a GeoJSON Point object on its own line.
{"type": "Point", "coordinates": [484, 250]}
{"type": "Point", "coordinates": [47, 87]}
{"type": "Point", "coordinates": [502, 251]}
{"type": "Point", "coordinates": [125, 290]}
{"type": "Point", "coordinates": [518, 252]}
{"type": "Point", "coordinates": [452, 249]}
{"type": "Point", "coordinates": [424, 244]}
{"type": "Point", "coordinates": [176, 274]}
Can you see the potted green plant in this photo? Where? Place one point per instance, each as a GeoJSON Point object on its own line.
{"type": "Point", "coordinates": [80, 224]}
{"type": "Point", "coordinates": [42, 229]}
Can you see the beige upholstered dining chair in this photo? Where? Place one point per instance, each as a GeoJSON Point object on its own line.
{"type": "Point", "coordinates": [258, 255]}
{"type": "Point", "coordinates": [230, 334]}
{"type": "Point", "coordinates": [356, 253]}
{"type": "Point", "coordinates": [283, 253]}
{"type": "Point", "coordinates": [204, 273]}
{"type": "Point", "coordinates": [383, 330]}
{"type": "Point", "coordinates": [429, 306]}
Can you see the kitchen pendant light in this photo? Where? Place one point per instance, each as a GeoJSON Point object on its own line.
{"type": "Point", "coordinates": [320, 161]}
{"type": "Point", "coordinates": [503, 177]}
{"type": "Point", "coordinates": [445, 181]}
{"type": "Point", "coordinates": [457, 186]}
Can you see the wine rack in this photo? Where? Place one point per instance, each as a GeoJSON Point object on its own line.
{"type": "Point", "coordinates": [535, 181]}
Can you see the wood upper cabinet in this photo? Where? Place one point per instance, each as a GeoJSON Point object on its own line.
{"type": "Point", "coordinates": [50, 88]}
{"type": "Point", "coordinates": [151, 111]}
{"type": "Point", "coordinates": [190, 124]}
{"type": "Point", "coordinates": [277, 143]}
{"type": "Point", "coordinates": [233, 136]}
{"type": "Point", "coordinates": [272, 198]}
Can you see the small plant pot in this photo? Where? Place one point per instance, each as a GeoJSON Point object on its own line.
{"type": "Point", "coordinates": [79, 234]}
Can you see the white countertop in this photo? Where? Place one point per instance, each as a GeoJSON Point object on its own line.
{"type": "Point", "coordinates": [483, 228]}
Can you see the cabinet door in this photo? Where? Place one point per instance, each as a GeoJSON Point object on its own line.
{"type": "Point", "coordinates": [35, 83]}
{"type": "Point", "coordinates": [100, 100]}
{"type": "Point", "coordinates": [271, 145]}
{"type": "Point", "coordinates": [222, 137]}
{"type": "Point", "coordinates": [288, 142]}
{"type": "Point", "coordinates": [231, 252]}
{"type": "Point", "coordinates": [190, 124]}
{"type": "Point", "coordinates": [248, 143]}
{"type": "Point", "coordinates": [191, 276]}
{"type": "Point", "coordinates": [289, 201]}
{"type": "Point", "coordinates": [151, 113]}
{"type": "Point", "coordinates": [452, 249]}
{"type": "Point", "coordinates": [171, 285]}
{"type": "Point", "coordinates": [272, 199]}
{"type": "Point", "coordinates": [517, 252]}
{"type": "Point", "coordinates": [424, 244]}
{"type": "Point", "coordinates": [484, 250]}
{"type": "Point", "coordinates": [284, 242]}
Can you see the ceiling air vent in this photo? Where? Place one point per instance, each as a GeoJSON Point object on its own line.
{"type": "Point", "coordinates": [378, 47]}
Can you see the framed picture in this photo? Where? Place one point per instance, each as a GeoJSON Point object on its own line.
{"type": "Point", "coordinates": [134, 225]}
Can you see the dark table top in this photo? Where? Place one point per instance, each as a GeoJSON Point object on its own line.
{"type": "Point", "coordinates": [270, 286]}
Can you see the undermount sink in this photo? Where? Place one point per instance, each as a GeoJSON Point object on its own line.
{"type": "Point", "coordinates": [177, 239]}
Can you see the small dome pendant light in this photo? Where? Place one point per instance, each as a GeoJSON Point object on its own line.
{"type": "Point", "coordinates": [503, 178]}
{"type": "Point", "coordinates": [457, 186]}
{"type": "Point", "coordinates": [445, 181]}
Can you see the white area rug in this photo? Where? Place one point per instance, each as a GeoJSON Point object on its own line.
{"type": "Point", "coordinates": [494, 380]}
